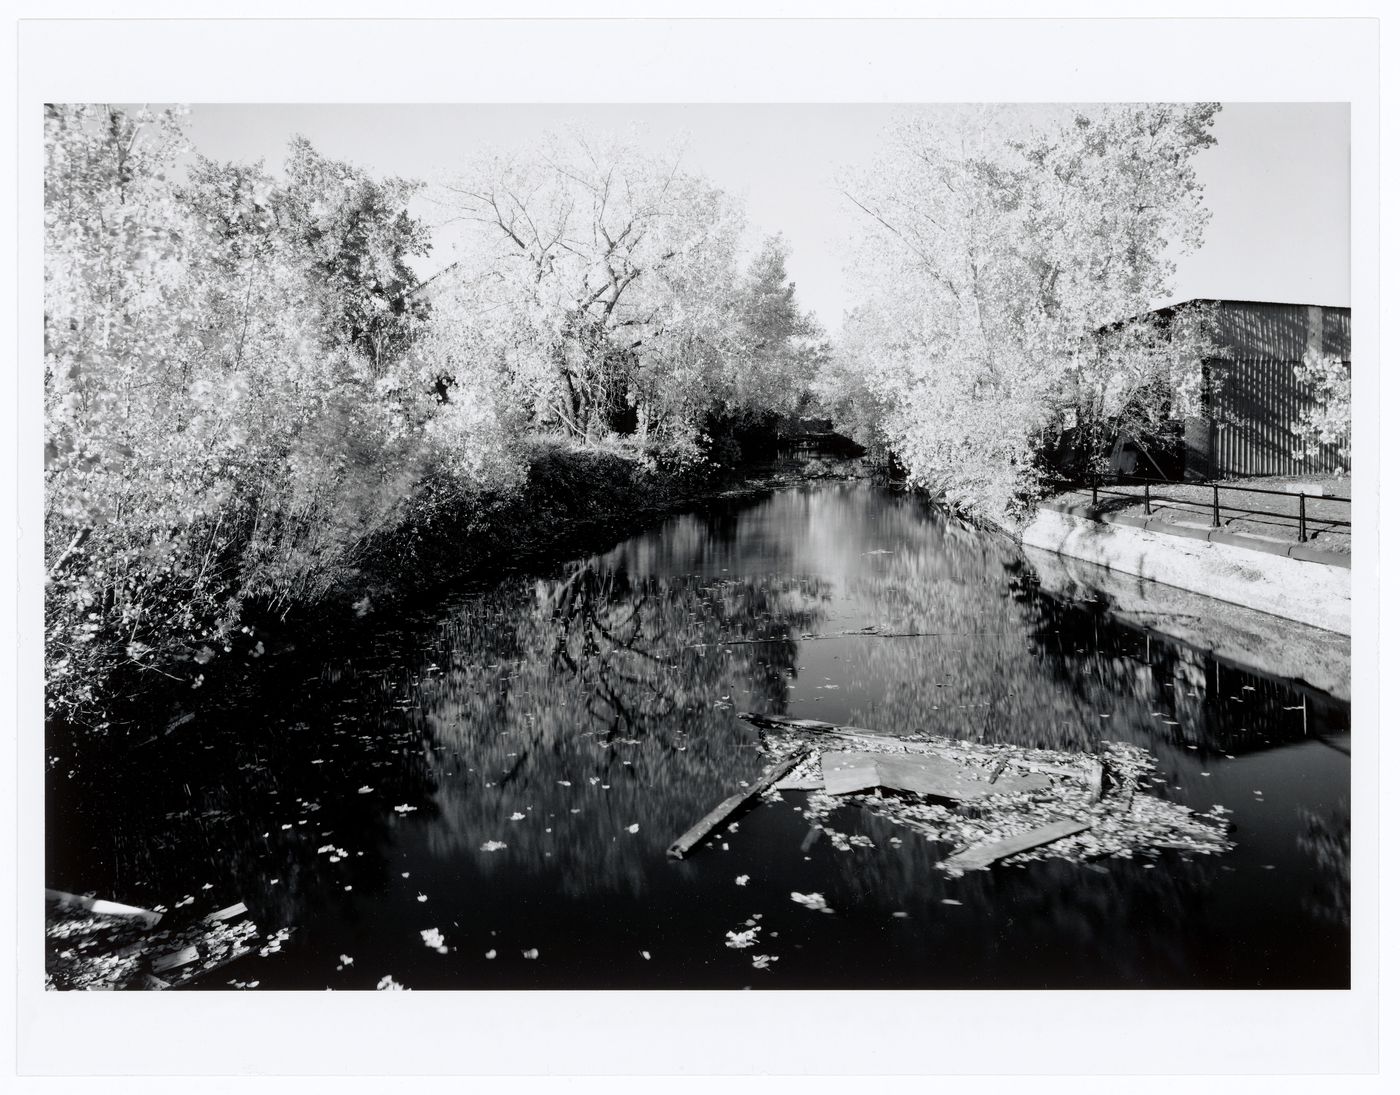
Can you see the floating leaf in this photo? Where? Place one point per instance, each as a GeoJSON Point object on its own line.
{"type": "Point", "coordinates": [814, 901]}
{"type": "Point", "coordinates": [433, 938]}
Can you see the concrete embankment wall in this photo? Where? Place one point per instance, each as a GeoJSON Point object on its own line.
{"type": "Point", "coordinates": [1312, 593]}
{"type": "Point", "coordinates": [1243, 636]}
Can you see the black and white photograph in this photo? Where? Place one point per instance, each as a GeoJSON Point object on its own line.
{"type": "Point", "coordinates": [664, 545]}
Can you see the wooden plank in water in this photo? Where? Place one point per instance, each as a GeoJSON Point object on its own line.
{"type": "Point", "coordinates": [800, 783]}
{"type": "Point", "coordinates": [182, 957]}
{"type": "Point", "coordinates": [984, 855]}
{"type": "Point", "coordinates": [921, 773]}
{"type": "Point", "coordinates": [702, 828]}
{"type": "Point", "coordinates": [816, 726]}
{"type": "Point", "coordinates": [99, 907]}
{"type": "Point", "coordinates": [196, 975]}
{"type": "Point", "coordinates": [782, 722]}
{"type": "Point", "coordinates": [844, 773]}
{"type": "Point", "coordinates": [226, 914]}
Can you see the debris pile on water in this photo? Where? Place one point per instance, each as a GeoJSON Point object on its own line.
{"type": "Point", "coordinates": [90, 946]}
{"type": "Point", "coordinates": [989, 803]}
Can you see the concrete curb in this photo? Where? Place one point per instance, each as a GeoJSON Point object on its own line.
{"type": "Point", "coordinates": [1225, 566]}
{"type": "Point", "coordinates": [1304, 552]}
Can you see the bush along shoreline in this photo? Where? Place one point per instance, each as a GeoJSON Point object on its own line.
{"type": "Point", "coordinates": [573, 501]}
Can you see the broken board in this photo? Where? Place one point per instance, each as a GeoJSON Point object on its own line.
{"type": "Point", "coordinates": [921, 773]}
{"type": "Point", "coordinates": [183, 957]}
{"type": "Point", "coordinates": [734, 802]}
{"type": "Point", "coordinates": [98, 907]}
{"type": "Point", "coordinates": [816, 726]}
{"type": "Point", "coordinates": [984, 855]}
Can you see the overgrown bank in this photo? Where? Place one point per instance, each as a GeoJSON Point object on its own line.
{"type": "Point", "coordinates": [573, 500]}
{"type": "Point", "coordinates": [253, 405]}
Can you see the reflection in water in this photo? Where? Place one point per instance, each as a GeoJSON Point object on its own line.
{"type": "Point", "coordinates": [1326, 838]}
{"type": "Point", "coordinates": [509, 769]}
{"type": "Point", "coordinates": [606, 681]}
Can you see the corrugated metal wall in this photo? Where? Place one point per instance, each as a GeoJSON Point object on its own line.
{"type": "Point", "coordinates": [1257, 405]}
{"type": "Point", "coordinates": [1259, 397]}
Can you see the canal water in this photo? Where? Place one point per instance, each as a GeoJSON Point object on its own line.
{"type": "Point", "coordinates": [505, 772]}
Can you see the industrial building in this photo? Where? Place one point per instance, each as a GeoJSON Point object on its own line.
{"type": "Point", "coordinates": [1252, 396]}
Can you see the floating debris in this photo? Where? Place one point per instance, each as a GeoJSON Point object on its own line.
{"type": "Point", "coordinates": [992, 803]}
{"type": "Point", "coordinates": [100, 908]}
{"type": "Point", "coordinates": [721, 813]}
{"type": "Point", "coordinates": [433, 939]}
{"type": "Point", "coordinates": [97, 944]}
{"type": "Point", "coordinates": [984, 855]}
{"type": "Point", "coordinates": [814, 901]}
{"type": "Point", "coordinates": [924, 774]}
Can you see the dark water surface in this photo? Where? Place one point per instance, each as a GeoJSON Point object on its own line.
{"type": "Point", "coordinates": [544, 739]}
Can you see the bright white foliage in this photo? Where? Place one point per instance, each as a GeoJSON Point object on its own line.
{"type": "Point", "coordinates": [247, 393]}
{"type": "Point", "coordinates": [602, 286]}
{"type": "Point", "coordinates": [1327, 422]}
{"type": "Point", "coordinates": [993, 252]}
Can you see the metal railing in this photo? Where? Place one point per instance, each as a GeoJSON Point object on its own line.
{"type": "Point", "coordinates": [1096, 489]}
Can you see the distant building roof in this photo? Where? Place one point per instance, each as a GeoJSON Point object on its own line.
{"type": "Point", "coordinates": [1242, 300]}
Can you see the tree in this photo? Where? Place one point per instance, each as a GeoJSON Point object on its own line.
{"type": "Point", "coordinates": [226, 417]}
{"type": "Point", "coordinates": [137, 438]}
{"type": "Point", "coordinates": [1138, 381]}
{"type": "Point", "coordinates": [994, 257]}
{"type": "Point", "coordinates": [782, 346]}
{"type": "Point", "coordinates": [357, 237]}
{"type": "Point", "coordinates": [601, 273]}
{"type": "Point", "coordinates": [1326, 421]}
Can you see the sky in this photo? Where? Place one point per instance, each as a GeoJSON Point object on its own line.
{"type": "Point", "coordinates": [1277, 182]}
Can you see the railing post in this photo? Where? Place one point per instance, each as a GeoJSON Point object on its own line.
{"type": "Point", "coordinates": [1215, 505]}
{"type": "Point", "coordinates": [1094, 489]}
{"type": "Point", "coordinates": [1147, 499]}
{"type": "Point", "coordinates": [1302, 518]}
